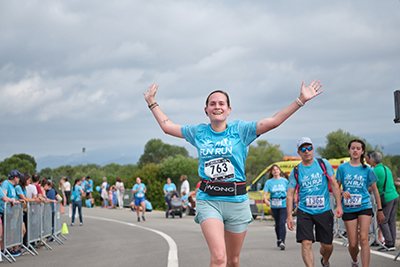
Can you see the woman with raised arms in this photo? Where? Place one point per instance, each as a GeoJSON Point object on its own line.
{"type": "Point", "coordinates": [222, 201]}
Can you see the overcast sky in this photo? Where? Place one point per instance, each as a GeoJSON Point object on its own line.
{"type": "Point", "coordinates": [73, 73]}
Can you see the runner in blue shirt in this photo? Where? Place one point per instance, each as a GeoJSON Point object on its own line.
{"type": "Point", "coordinates": [356, 178]}
{"type": "Point", "coordinates": [277, 186]}
{"type": "Point", "coordinates": [222, 148]}
{"type": "Point", "coordinates": [76, 198]}
{"type": "Point", "coordinates": [314, 209]}
{"type": "Point", "coordinates": [139, 189]}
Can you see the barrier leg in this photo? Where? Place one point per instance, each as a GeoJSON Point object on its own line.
{"type": "Point", "coordinates": [27, 249]}
{"type": "Point", "coordinates": [33, 249]}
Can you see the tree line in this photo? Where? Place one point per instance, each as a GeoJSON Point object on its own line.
{"type": "Point", "coordinates": [160, 161]}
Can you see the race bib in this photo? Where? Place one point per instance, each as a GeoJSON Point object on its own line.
{"type": "Point", "coordinates": [276, 203]}
{"type": "Point", "coordinates": [219, 169]}
{"type": "Point", "coordinates": [139, 195]}
{"type": "Point", "coordinates": [315, 202]}
{"type": "Point", "coordinates": [353, 202]}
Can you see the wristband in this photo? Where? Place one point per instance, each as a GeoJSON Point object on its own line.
{"type": "Point", "coordinates": [380, 209]}
{"type": "Point", "coordinates": [298, 101]}
{"type": "Point", "coordinates": [152, 105]}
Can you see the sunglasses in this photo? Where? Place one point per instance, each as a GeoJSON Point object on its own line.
{"type": "Point", "coordinates": [303, 149]}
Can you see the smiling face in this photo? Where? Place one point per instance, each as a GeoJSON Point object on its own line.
{"type": "Point", "coordinates": [356, 150]}
{"type": "Point", "coordinates": [276, 171]}
{"type": "Point", "coordinates": [217, 107]}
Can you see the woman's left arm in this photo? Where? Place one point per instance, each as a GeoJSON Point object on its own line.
{"type": "Point", "coordinates": [306, 94]}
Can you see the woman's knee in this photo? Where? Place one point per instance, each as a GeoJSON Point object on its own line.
{"type": "Point", "coordinates": [218, 258]}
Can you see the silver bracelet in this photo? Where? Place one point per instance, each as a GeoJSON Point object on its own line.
{"type": "Point", "coordinates": [298, 101]}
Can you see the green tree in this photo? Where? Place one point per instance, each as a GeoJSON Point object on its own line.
{"type": "Point", "coordinates": [395, 160]}
{"type": "Point", "coordinates": [260, 157]}
{"type": "Point", "coordinates": [175, 166]}
{"type": "Point", "coordinates": [22, 164]}
{"type": "Point", "coordinates": [337, 143]}
{"type": "Point", "coordinates": [46, 172]}
{"type": "Point", "coordinates": [155, 151]}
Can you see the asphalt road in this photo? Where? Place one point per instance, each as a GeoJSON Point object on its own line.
{"type": "Point", "coordinates": [115, 238]}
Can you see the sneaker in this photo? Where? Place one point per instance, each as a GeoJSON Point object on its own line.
{"type": "Point", "coordinates": [15, 253]}
{"type": "Point", "coordinates": [391, 248]}
{"type": "Point", "coordinates": [80, 224]}
{"type": "Point", "coordinates": [282, 246]}
{"type": "Point", "coordinates": [322, 259]}
{"type": "Point", "coordinates": [383, 249]}
{"type": "Point", "coordinates": [143, 218]}
{"type": "Point", "coordinates": [355, 264]}
{"type": "Point", "coordinates": [138, 219]}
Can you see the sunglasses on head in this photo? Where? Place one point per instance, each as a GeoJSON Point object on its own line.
{"type": "Point", "coordinates": [303, 149]}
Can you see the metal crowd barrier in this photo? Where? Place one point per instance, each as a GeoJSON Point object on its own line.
{"type": "Point", "coordinates": [257, 204]}
{"type": "Point", "coordinates": [13, 229]}
{"type": "Point", "coordinates": [34, 225]}
{"type": "Point", "coordinates": [58, 224]}
{"type": "Point", "coordinates": [47, 228]}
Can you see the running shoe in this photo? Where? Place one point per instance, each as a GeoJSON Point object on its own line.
{"type": "Point", "coordinates": [72, 224]}
{"type": "Point", "coordinates": [143, 218]}
{"type": "Point", "coordinates": [282, 246]}
{"type": "Point", "coordinates": [391, 248]}
{"type": "Point", "coordinates": [80, 224]}
{"type": "Point", "coordinates": [355, 264]}
{"type": "Point", "coordinates": [328, 265]}
{"type": "Point", "coordinates": [382, 249]}
{"type": "Point", "coordinates": [138, 219]}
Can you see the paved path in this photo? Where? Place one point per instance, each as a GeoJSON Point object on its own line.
{"type": "Point", "coordinates": [115, 238]}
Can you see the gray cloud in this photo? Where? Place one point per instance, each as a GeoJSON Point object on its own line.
{"type": "Point", "coordinates": [72, 74]}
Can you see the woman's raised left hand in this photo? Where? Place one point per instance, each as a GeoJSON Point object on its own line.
{"type": "Point", "coordinates": [308, 93]}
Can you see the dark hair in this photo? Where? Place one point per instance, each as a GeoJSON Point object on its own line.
{"type": "Point", "coordinates": [35, 178]}
{"type": "Point", "coordinates": [23, 179]}
{"type": "Point", "coordinates": [76, 181]}
{"type": "Point", "coordinates": [369, 152]}
{"type": "Point", "coordinates": [362, 158]}
{"type": "Point", "coordinates": [222, 92]}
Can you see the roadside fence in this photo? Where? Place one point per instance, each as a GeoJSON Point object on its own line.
{"type": "Point", "coordinates": [39, 221]}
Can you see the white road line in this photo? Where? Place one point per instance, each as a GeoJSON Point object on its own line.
{"type": "Point", "coordinates": [173, 248]}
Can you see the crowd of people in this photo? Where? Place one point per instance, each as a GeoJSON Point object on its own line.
{"type": "Point", "coordinates": [19, 189]}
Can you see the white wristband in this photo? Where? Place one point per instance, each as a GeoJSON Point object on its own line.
{"type": "Point", "coordinates": [298, 101]}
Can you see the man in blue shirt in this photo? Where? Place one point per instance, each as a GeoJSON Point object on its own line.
{"type": "Point", "coordinates": [314, 207]}
{"type": "Point", "coordinates": [8, 188]}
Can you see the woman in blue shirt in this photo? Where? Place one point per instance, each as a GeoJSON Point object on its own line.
{"type": "Point", "coordinates": [76, 198]}
{"type": "Point", "coordinates": [356, 178]}
{"type": "Point", "coordinates": [168, 187]}
{"type": "Point", "coordinates": [222, 201]}
{"type": "Point", "coordinates": [277, 186]}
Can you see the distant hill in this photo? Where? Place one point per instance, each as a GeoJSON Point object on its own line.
{"type": "Point", "coordinates": [100, 157]}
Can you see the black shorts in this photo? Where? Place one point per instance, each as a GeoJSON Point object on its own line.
{"type": "Point", "coordinates": [323, 227]}
{"type": "Point", "coordinates": [354, 215]}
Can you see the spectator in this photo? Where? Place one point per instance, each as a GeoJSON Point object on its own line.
{"type": "Point", "coordinates": [76, 198]}
{"type": "Point", "coordinates": [103, 193]}
{"type": "Point", "coordinates": [388, 226]}
{"type": "Point", "coordinates": [8, 188]}
{"type": "Point", "coordinates": [61, 188]}
{"type": "Point", "coordinates": [67, 190]}
{"type": "Point", "coordinates": [120, 192]}
{"type": "Point", "coordinates": [35, 182]}
{"type": "Point", "coordinates": [89, 185]}
{"type": "Point", "coordinates": [185, 185]}
{"type": "Point", "coordinates": [168, 187]}
{"type": "Point", "coordinates": [89, 202]}
{"type": "Point", "coordinates": [368, 157]}
{"type": "Point", "coordinates": [51, 196]}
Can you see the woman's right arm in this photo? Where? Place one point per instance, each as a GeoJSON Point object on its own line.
{"type": "Point", "coordinates": [165, 123]}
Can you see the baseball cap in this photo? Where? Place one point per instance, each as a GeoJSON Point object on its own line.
{"type": "Point", "coordinates": [13, 174]}
{"type": "Point", "coordinates": [302, 141]}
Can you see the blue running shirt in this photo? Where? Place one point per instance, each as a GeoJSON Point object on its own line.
{"type": "Point", "coordinates": [222, 155]}
{"type": "Point", "coordinates": [356, 180]}
{"type": "Point", "coordinates": [139, 193]}
{"type": "Point", "coordinates": [169, 187]}
{"type": "Point", "coordinates": [314, 190]}
{"type": "Point", "coordinates": [278, 190]}
{"type": "Point", "coordinates": [10, 189]}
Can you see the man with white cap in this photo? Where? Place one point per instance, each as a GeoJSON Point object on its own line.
{"type": "Point", "coordinates": [311, 178]}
